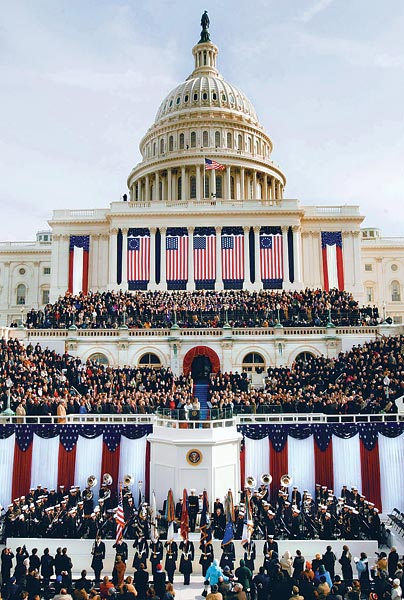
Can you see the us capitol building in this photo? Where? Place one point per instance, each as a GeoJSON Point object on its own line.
{"type": "Point", "coordinates": [206, 208]}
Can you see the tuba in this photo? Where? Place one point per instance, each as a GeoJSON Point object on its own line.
{"type": "Point", "coordinates": [266, 478]}
{"type": "Point", "coordinates": [107, 479]}
{"type": "Point", "coordinates": [91, 481]}
{"type": "Point", "coordinates": [250, 482]}
{"type": "Point", "coordinates": [286, 480]}
{"type": "Point", "coordinates": [128, 480]}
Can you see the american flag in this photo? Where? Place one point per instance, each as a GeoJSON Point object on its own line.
{"type": "Point", "coordinates": [271, 256]}
{"type": "Point", "coordinates": [211, 165]}
{"type": "Point", "coordinates": [177, 258]}
{"type": "Point", "coordinates": [139, 258]}
{"type": "Point", "coordinates": [204, 257]}
{"type": "Point", "coordinates": [119, 518]}
{"type": "Point", "coordinates": [233, 256]}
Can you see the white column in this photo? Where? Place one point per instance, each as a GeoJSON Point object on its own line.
{"type": "Point", "coordinates": [357, 259]}
{"type": "Point", "coordinates": [113, 249]}
{"type": "Point", "coordinates": [103, 273]}
{"type": "Point", "coordinates": [213, 184]}
{"type": "Point", "coordinates": [228, 183]}
{"type": "Point", "coordinates": [286, 281]}
{"type": "Point", "coordinates": [191, 281]}
{"type": "Point", "coordinates": [317, 259]}
{"type": "Point", "coordinates": [257, 262]}
{"type": "Point", "coordinates": [255, 194]}
{"type": "Point", "coordinates": [183, 184]}
{"type": "Point", "coordinates": [147, 189]}
{"type": "Point", "coordinates": [163, 282]}
{"type": "Point", "coordinates": [219, 278]}
{"type": "Point", "coordinates": [64, 263]}
{"type": "Point", "coordinates": [54, 283]}
{"type": "Point", "coordinates": [35, 288]}
{"type": "Point", "coordinates": [273, 188]}
{"type": "Point", "coordinates": [198, 182]}
{"type": "Point", "coordinates": [94, 260]}
{"type": "Point", "coordinates": [242, 183]}
{"type": "Point", "coordinates": [247, 280]}
{"type": "Point", "coordinates": [152, 282]}
{"type": "Point", "coordinates": [124, 283]}
{"type": "Point", "coordinates": [265, 187]}
{"type": "Point", "coordinates": [297, 252]}
{"type": "Point", "coordinates": [169, 185]}
{"type": "Point", "coordinates": [156, 186]}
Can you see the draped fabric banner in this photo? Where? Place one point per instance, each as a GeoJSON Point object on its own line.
{"type": "Point", "coordinates": [54, 455]}
{"type": "Point", "coordinates": [391, 455]}
{"type": "Point", "coordinates": [323, 466]}
{"type": "Point", "coordinates": [257, 459]}
{"type": "Point", "coordinates": [347, 463]}
{"type": "Point", "coordinates": [370, 465]}
{"type": "Point", "coordinates": [278, 466]}
{"type": "Point", "coordinates": [301, 460]}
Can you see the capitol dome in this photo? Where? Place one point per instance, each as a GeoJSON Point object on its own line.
{"type": "Point", "coordinates": [205, 89]}
{"type": "Point", "coordinates": [206, 117]}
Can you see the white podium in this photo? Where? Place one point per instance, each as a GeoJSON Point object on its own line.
{"type": "Point", "coordinates": [200, 455]}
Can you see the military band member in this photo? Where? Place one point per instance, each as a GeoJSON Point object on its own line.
{"type": "Point", "coordinates": [207, 555]}
{"type": "Point", "coordinates": [141, 552]}
{"type": "Point", "coordinates": [187, 557]}
{"type": "Point", "coordinates": [193, 508]}
{"type": "Point", "coordinates": [250, 555]}
{"type": "Point", "coordinates": [98, 553]}
{"type": "Point", "coordinates": [171, 559]}
{"type": "Point", "coordinates": [156, 554]}
{"type": "Point", "coordinates": [121, 549]}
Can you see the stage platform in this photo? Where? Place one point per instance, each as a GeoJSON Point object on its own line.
{"type": "Point", "coordinates": [80, 551]}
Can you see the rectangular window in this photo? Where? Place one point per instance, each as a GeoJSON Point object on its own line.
{"type": "Point", "coordinates": [46, 271]}
{"type": "Point", "coordinates": [398, 320]}
{"type": "Point", "coordinates": [368, 267]}
{"type": "Point", "coordinates": [45, 296]}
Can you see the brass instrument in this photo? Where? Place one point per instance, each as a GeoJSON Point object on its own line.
{"type": "Point", "coordinates": [107, 479]}
{"type": "Point", "coordinates": [266, 478]}
{"type": "Point", "coordinates": [91, 481]}
{"type": "Point", "coordinates": [128, 480]}
{"type": "Point", "coordinates": [286, 480]}
{"type": "Point", "coordinates": [250, 482]}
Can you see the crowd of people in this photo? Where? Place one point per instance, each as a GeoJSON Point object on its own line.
{"type": "Point", "coordinates": [106, 310]}
{"type": "Point", "coordinates": [41, 383]}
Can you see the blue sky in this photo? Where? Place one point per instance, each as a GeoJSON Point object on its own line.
{"type": "Point", "coordinates": [81, 82]}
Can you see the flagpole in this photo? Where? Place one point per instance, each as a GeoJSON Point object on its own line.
{"type": "Point", "coordinates": [204, 175]}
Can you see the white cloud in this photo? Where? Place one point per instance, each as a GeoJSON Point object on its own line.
{"type": "Point", "coordinates": [314, 10]}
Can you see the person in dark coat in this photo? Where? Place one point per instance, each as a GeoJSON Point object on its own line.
{"type": "Point", "coordinates": [141, 553]}
{"type": "Point", "coordinates": [47, 569]}
{"type": "Point", "coordinates": [141, 581]}
{"type": "Point", "coordinates": [187, 556]}
{"type": "Point", "coordinates": [260, 585]}
{"type": "Point", "coordinates": [159, 581]}
{"type": "Point", "coordinates": [346, 565]}
{"type": "Point", "coordinates": [6, 564]}
{"type": "Point", "coordinates": [329, 559]}
{"type": "Point", "coordinates": [171, 559]}
{"type": "Point", "coordinates": [298, 565]}
{"type": "Point", "coordinates": [392, 562]}
{"type": "Point", "coordinates": [207, 555]}
{"type": "Point", "coordinates": [97, 563]}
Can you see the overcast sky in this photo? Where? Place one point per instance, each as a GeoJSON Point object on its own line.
{"type": "Point", "coordinates": [81, 82]}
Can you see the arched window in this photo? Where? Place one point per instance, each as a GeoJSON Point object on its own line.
{"type": "Point", "coordinates": [179, 186]}
{"type": "Point", "coordinates": [219, 186]}
{"type": "Point", "coordinates": [171, 143]}
{"type": "Point", "coordinates": [193, 139]}
{"type": "Point", "coordinates": [395, 291]}
{"type": "Point", "coordinates": [205, 139]}
{"type": "Point", "coordinates": [304, 357]}
{"type": "Point", "coordinates": [253, 362]}
{"type": "Point", "coordinates": [100, 358]}
{"type": "Point", "coordinates": [154, 149]}
{"type": "Point", "coordinates": [249, 144]}
{"type": "Point", "coordinates": [182, 141]}
{"type": "Point", "coordinates": [229, 140]}
{"type": "Point", "coordinates": [240, 142]}
{"type": "Point", "coordinates": [192, 182]}
{"type": "Point", "coordinates": [21, 293]}
{"type": "Point", "coordinates": [150, 360]}
{"type": "Point", "coordinates": [162, 146]}
{"type": "Point", "coordinates": [217, 139]}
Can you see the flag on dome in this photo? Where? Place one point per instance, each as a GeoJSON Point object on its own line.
{"type": "Point", "coordinates": [79, 249]}
{"type": "Point", "coordinates": [212, 165]}
{"type": "Point", "coordinates": [333, 263]}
